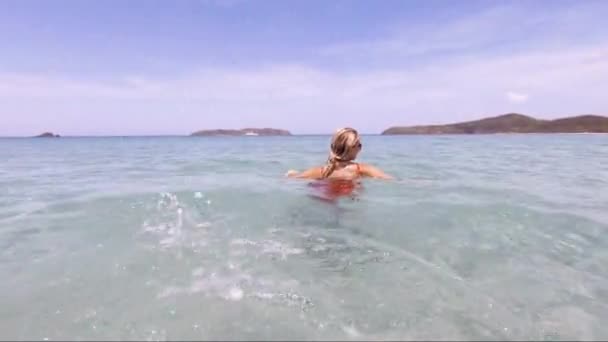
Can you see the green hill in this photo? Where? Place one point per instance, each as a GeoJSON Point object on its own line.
{"type": "Point", "coordinates": [512, 123]}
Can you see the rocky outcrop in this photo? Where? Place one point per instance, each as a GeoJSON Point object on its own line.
{"type": "Point", "coordinates": [47, 135]}
{"type": "Point", "coordinates": [512, 123]}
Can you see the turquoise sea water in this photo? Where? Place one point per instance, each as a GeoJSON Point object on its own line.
{"type": "Point", "coordinates": [481, 237]}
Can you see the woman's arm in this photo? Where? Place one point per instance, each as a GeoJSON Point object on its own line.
{"type": "Point", "coordinates": [373, 172]}
{"type": "Point", "coordinates": [314, 173]}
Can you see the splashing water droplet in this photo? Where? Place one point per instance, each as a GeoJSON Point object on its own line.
{"type": "Point", "coordinates": [235, 294]}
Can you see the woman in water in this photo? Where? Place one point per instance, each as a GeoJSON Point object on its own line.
{"type": "Point", "coordinates": [341, 172]}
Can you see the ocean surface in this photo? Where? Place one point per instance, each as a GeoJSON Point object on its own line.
{"type": "Point", "coordinates": [480, 237]}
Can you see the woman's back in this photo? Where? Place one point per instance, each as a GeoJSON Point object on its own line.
{"type": "Point", "coordinates": [347, 171]}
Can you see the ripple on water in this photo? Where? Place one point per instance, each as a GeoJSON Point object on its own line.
{"type": "Point", "coordinates": [485, 237]}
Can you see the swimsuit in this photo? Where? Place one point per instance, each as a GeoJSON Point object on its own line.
{"type": "Point", "coordinates": [333, 188]}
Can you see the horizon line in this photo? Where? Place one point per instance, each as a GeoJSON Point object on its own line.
{"type": "Point", "coordinates": [291, 134]}
{"type": "Point", "coordinates": [171, 136]}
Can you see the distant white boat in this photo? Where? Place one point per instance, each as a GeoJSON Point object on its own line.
{"type": "Point", "coordinates": [251, 134]}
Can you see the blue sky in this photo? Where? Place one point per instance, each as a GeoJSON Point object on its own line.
{"type": "Point", "coordinates": [172, 67]}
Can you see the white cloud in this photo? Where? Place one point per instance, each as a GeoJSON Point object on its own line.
{"type": "Point", "coordinates": [303, 98]}
{"type": "Point", "coordinates": [517, 97]}
{"type": "Point", "coordinates": [549, 71]}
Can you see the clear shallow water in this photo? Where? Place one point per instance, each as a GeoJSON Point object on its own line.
{"type": "Point", "coordinates": [482, 237]}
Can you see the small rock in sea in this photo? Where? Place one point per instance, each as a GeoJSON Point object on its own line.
{"type": "Point", "coordinates": [48, 135]}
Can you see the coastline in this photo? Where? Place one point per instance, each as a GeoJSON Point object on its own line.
{"type": "Point", "coordinates": [505, 124]}
{"type": "Point", "coordinates": [295, 135]}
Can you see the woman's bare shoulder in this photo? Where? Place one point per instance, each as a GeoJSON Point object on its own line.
{"type": "Point", "coordinates": [371, 171]}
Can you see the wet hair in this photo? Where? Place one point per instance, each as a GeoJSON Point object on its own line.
{"type": "Point", "coordinates": [345, 145]}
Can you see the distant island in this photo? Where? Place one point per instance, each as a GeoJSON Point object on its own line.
{"type": "Point", "coordinates": [48, 135]}
{"type": "Point", "coordinates": [242, 132]}
{"type": "Point", "coordinates": [511, 123]}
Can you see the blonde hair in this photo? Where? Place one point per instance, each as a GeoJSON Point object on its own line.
{"type": "Point", "coordinates": [344, 148]}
